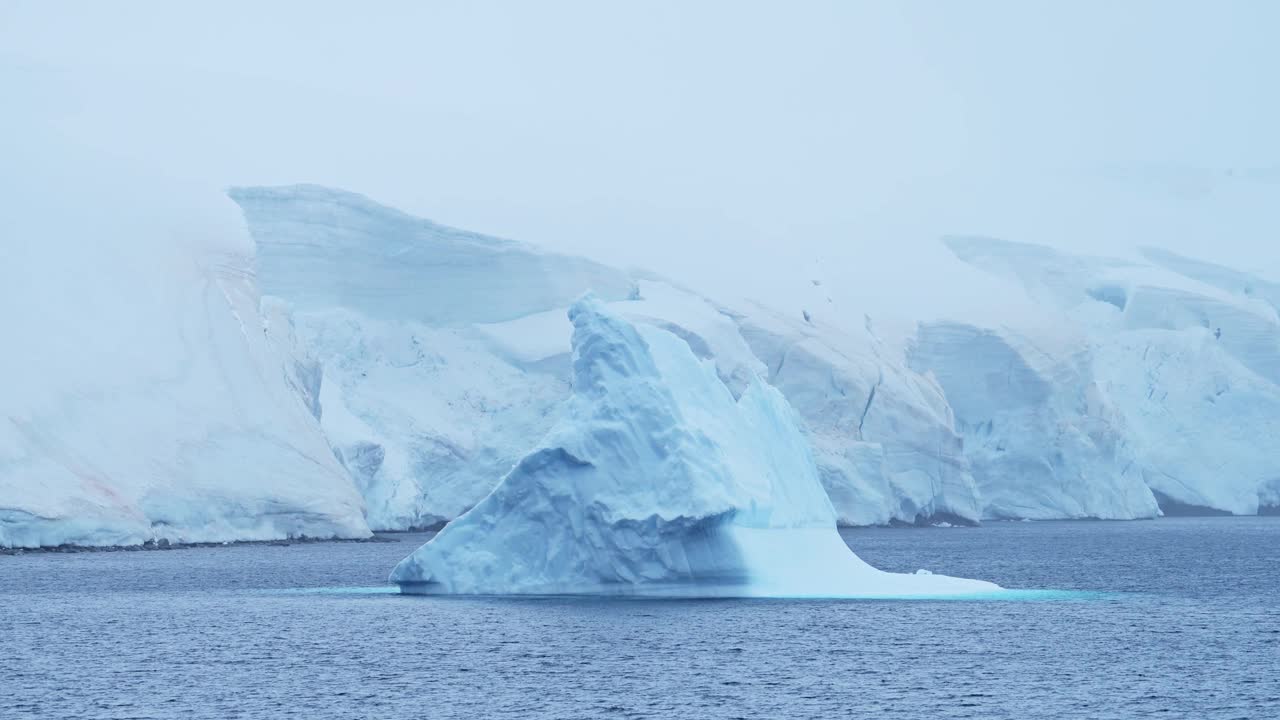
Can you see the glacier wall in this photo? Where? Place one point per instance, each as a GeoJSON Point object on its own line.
{"type": "Point", "coordinates": [1185, 353]}
{"type": "Point", "coordinates": [1200, 421]}
{"type": "Point", "coordinates": [1043, 438]}
{"type": "Point", "coordinates": [657, 481]}
{"type": "Point", "coordinates": [395, 369]}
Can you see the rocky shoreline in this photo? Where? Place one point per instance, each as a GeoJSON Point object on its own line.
{"type": "Point", "coordinates": [164, 544]}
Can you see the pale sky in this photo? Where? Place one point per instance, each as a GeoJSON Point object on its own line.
{"type": "Point", "coordinates": [742, 148]}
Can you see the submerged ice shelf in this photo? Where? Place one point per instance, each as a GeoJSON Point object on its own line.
{"type": "Point", "coordinates": [658, 482]}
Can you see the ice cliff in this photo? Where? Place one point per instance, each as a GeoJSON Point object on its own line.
{"type": "Point", "coordinates": [657, 481]}
{"type": "Point", "coordinates": [1175, 373]}
{"type": "Point", "coordinates": [1042, 436]}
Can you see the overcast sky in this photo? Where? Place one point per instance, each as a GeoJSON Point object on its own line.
{"type": "Point", "coordinates": [740, 147]}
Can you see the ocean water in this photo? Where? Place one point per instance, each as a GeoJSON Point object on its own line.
{"type": "Point", "coordinates": [1180, 620]}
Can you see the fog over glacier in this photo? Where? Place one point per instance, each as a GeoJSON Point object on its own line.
{"type": "Point", "coordinates": [1001, 261]}
{"type": "Point", "coordinates": [743, 146]}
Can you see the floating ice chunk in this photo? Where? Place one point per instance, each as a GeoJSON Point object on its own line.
{"type": "Point", "coordinates": [658, 482]}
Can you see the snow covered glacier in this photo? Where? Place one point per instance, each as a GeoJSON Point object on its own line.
{"type": "Point", "coordinates": [355, 367]}
{"type": "Point", "coordinates": [429, 395]}
{"type": "Point", "coordinates": [1174, 376]}
{"type": "Point", "coordinates": [657, 481]}
{"type": "Point", "coordinates": [1050, 418]}
{"type": "Point", "coordinates": [147, 395]}
{"type": "Point", "coordinates": [422, 405]}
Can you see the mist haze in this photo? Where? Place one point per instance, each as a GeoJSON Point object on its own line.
{"type": "Point", "coordinates": [753, 147]}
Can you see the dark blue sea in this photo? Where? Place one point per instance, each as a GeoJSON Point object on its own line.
{"type": "Point", "coordinates": [1180, 618]}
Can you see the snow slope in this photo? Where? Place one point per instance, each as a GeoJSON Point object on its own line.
{"type": "Point", "coordinates": [1232, 281]}
{"type": "Point", "coordinates": [324, 248]}
{"type": "Point", "coordinates": [658, 482]}
{"type": "Point", "coordinates": [145, 395]}
{"type": "Point", "coordinates": [1186, 353]}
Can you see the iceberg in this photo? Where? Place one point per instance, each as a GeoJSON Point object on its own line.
{"type": "Point", "coordinates": [656, 481]}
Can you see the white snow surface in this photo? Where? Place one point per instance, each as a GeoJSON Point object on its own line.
{"type": "Point", "coordinates": [146, 397]}
{"type": "Point", "coordinates": [323, 248]}
{"type": "Point", "coordinates": [657, 481]}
